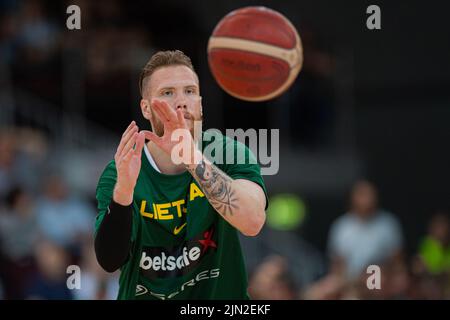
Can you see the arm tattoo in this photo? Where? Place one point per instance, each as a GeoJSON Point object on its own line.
{"type": "Point", "coordinates": [217, 187]}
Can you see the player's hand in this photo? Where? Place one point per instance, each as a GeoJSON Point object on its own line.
{"type": "Point", "coordinates": [128, 163]}
{"type": "Point", "coordinates": [174, 125]}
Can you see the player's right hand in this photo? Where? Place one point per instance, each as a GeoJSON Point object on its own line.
{"type": "Point", "coordinates": [128, 164]}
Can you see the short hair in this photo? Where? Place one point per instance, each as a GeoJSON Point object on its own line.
{"type": "Point", "coordinates": [163, 59]}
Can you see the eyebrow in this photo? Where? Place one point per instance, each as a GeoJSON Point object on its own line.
{"type": "Point", "coordinates": [173, 88]}
{"type": "Point", "coordinates": [166, 88]}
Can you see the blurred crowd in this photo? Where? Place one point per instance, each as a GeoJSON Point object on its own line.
{"type": "Point", "coordinates": [364, 236]}
{"type": "Point", "coordinates": [44, 226]}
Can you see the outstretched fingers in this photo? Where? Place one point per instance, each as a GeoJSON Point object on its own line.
{"type": "Point", "coordinates": [164, 110]}
{"type": "Point", "coordinates": [156, 106]}
{"type": "Point", "coordinates": [129, 145]}
{"type": "Point", "coordinates": [140, 140]}
{"type": "Point", "coordinates": [180, 117]}
{"type": "Point", "coordinates": [126, 136]}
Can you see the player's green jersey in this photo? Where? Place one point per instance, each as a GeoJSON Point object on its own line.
{"type": "Point", "coordinates": [181, 247]}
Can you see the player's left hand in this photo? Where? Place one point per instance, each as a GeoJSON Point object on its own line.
{"type": "Point", "coordinates": [176, 133]}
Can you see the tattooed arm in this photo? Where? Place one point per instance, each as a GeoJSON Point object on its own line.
{"type": "Point", "coordinates": [241, 202]}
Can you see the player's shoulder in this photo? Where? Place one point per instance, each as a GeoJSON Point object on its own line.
{"type": "Point", "coordinates": [214, 136]}
{"type": "Point", "coordinates": [111, 165]}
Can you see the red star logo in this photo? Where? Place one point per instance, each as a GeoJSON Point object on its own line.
{"type": "Point", "coordinates": [207, 242]}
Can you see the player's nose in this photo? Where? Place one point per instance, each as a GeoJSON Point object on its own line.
{"type": "Point", "coordinates": [181, 105]}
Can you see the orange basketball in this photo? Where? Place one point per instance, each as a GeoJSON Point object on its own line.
{"type": "Point", "coordinates": [255, 53]}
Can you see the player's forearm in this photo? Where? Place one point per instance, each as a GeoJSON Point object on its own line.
{"type": "Point", "coordinates": [235, 203]}
{"type": "Point", "coordinates": [113, 239]}
{"type": "Point", "coordinates": [123, 195]}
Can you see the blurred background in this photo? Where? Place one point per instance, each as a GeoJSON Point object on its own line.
{"type": "Point", "coordinates": [364, 143]}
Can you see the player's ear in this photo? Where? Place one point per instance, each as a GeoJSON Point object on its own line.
{"type": "Point", "coordinates": [145, 108]}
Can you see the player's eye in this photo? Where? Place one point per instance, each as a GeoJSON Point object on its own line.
{"type": "Point", "coordinates": [190, 91]}
{"type": "Point", "coordinates": [167, 93]}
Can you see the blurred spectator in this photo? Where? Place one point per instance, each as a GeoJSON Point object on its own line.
{"type": "Point", "coordinates": [330, 287]}
{"type": "Point", "coordinates": [272, 281]}
{"type": "Point", "coordinates": [430, 287]}
{"type": "Point", "coordinates": [306, 262]}
{"type": "Point", "coordinates": [395, 283]}
{"type": "Point", "coordinates": [434, 250]}
{"type": "Point", "coordinates": [7, 164]}
{"type": "Point", "coordinates": [22, 155]}
{"type": "Point", "coordinates": [96, 284]}
{"type": "Point", "coordinates": [38, 37]}
{"type": "Point", "coordinates": [8, 31]}
{"type": "Point", "coordinates": [396, 280]}
{"type": "Point", "coordinates": [18, 234]}
{"type": "Point", "coordinates": [50, 280]}
{"type": "Point", "coordinates": [64, 218]}
{"type": "Point", "coordinates": [18, 225]}
{"type": "Point", "coordinates": [431, 265]}
{"type": "Point", "coordinates": [32, 148]}
{"type": "Point", "coordinates": [281, 236]}
{"type": "Point", "coordinates": [365, 235]}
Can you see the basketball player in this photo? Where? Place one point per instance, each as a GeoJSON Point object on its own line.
{"type": "Point", "coordinates": [172, 228]}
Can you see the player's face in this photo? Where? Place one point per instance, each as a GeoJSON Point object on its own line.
{"type": "Point", "coordinates": [178, 86]}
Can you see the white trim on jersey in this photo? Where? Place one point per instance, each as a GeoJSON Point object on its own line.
{"type": "Point", "coordinates": [150, 158]}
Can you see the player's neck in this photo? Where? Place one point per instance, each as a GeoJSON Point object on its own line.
{"type": "Point", "coordinates": [163, 160]}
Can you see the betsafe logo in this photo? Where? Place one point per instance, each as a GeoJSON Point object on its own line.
{"type": "Point", "coordinates": [163, 262]}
